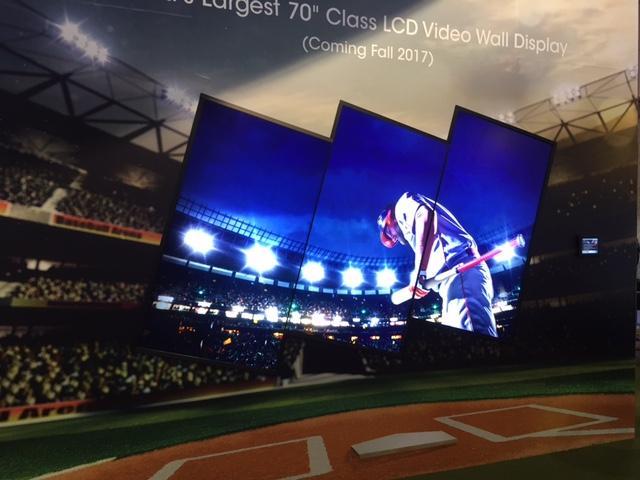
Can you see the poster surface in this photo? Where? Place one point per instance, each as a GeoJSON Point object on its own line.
{"type": "Point", "coordinates": [98, 100]}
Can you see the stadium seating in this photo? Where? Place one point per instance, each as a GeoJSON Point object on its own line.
{"type": "Point", "coordinates": [116, 209]}
{"type": "Point", "coordinates": [39, 372]}
{"type": "Point", "coordinates": [28, 181]}
{"type": "Point", "coordinates": [65, 290]}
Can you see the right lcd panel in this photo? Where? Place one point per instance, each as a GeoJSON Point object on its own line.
{"type": "Point", "coordinates": [481, 225]}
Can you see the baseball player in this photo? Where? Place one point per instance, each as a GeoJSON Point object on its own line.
{"type": "Point", "coordinates": [428, 227]}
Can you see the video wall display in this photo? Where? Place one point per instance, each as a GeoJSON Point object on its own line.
{"type": "Point", "coordinates": [232, 251]}
{"type": "Point", "coordinates": [280, 232]}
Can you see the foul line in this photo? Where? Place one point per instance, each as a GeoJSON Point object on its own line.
{"type": "Point", "coordinates": [318, 459]}
{"type": "Point", "coordinates": [73, 469]}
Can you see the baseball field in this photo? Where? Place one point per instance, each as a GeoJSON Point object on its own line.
{"type": "Point", "coordinates": [556, 422]}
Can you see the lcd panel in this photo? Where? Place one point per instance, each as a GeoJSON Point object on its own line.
{"type": "Point", "coordinates": [350, 268]}
{"type": "Point", "coordinates": [232, 251]}
{"type": "Point", "coordinates": [481, 226]}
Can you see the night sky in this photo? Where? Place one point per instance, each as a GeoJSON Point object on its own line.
{"type": "Point", "coordinates": [494, 176]}
{"type": "Point", "coordinates": [267, 174]}
{"type": "Point", "coordinates": [373, 162]}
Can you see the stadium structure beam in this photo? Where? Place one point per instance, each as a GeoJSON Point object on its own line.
{"type": "Point", "coordinates": [115, 71]}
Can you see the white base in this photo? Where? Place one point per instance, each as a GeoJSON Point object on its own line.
{"type": "Point", "coordinates": [403, 442]}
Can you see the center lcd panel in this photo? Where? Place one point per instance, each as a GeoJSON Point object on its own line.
{"type": "Point", "coordinates": [349, 271]}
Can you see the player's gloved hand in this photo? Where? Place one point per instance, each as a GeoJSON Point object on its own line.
{"type": "Point", "coordinates": [418, 292]}
{"type": "Point", "coordinates": [417, 286]}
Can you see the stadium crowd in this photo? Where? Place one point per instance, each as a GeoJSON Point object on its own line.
{"type": "Point", "coordinates": [256, 299]}
{"type": "Point", "coordinates": [30, 181]}
{"type": "Point", "coordinates": [117, 209]}
{"type": "Point", "coordinates": [39, 372]}
{"type": "Point", "coordinates": [254, 348]}
{"type": "Point", "coordinates": [66, 290]}
{"type": "Point", "coordinates": [589, 201]}
{"type": "Point", "coordinates": [27, 183]}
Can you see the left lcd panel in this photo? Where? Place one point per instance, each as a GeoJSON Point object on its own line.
{"type": "Point", "coordinates": [232, 252]}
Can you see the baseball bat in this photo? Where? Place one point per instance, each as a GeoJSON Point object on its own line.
{"type": "Point", "coordinates": [406, 293]}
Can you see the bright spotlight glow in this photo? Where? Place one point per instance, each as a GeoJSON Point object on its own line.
{"type": "Point", "coordinates": [313, 272]}
{"type": "Point", "coordinates": [69, 31]}
{"type": "Point", "coordinates": [102, 55]}
{"type": "Point", "coordinates": [199, 241]}
{"type": "Point", "coordinates": [318, 320]}
{"type": "Point", "coordinates": [181, 98]}
{"type": "Point", "coordinates": [507, 254]}
{"type": "Point", "coordinates": [271, 314]}
{"type": "Point", "coordinates": [352, 277]}
{"type": "Point", "coordinates": [386, 278]}
{"type": "Point", "coordinates": [508, 117]}
{"type": "Point", "coordinates": [175, 95]}
{"type": "Point", "coordinates": [71, 34]}
{"type": "Point", "coordinates": [260, 258]}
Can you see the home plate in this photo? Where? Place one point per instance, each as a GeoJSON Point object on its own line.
{"type": "Point", "coordinates": [402, 442]}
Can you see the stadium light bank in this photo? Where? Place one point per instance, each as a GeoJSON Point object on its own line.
{"type": "Point", "coordinates": [181, 99]}
{"type": "Point", "coordinates": [71, 34]}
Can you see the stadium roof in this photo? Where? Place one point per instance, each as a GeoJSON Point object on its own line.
{"type": "Point", "coordinates": [39, 66]}
{"type": "Point", "coordinates": [583, 112]}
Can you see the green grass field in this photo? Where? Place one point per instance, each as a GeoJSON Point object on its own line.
{"type": "Point", "coordinates": [32, 450]}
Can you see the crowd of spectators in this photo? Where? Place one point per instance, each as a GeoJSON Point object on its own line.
{"type": "Point", "coordinates": [81, 291]}
{"type": "Point", "coordinates": [252, 348]}
{"type": "Point", "coordinates": [39, 372]}
{"type": "Point", "coordinates": [28, 183]}
{"type": "Point", "coordinates": [116, 209]}
{"type": "Point", "coordinates": [257, 299]}
{"type": "Point", "coordinates": [568, 207]}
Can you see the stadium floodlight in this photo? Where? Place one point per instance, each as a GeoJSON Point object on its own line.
{"type": "Point", "coordinates": [271, 314]}
{"type": "Point", "coordinates": [180, 98]}
{"type": "Point", "coordinates": [508, 117]}
{"type": "Point", "coordinates": [70, 33]}
{"type": "Point", "coordinates": [260, 258]}
{"type": "Point", "coordinates": [198, 240]}
{"type": "Point", "coordinates": [313, 272]}
{"type": "Point", "coordinates": [352, 277]}
{"type": "Point", "coordinates": [386, 278]}
{"type": "Point", "coordinates": [318, 320]}
{"type": "Point", "coordinates": [507, 254]}
{"type": "Point", "coordinates": [567, 95]}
